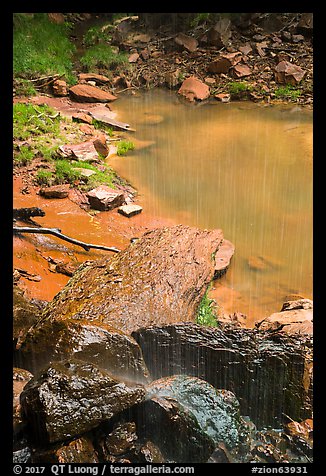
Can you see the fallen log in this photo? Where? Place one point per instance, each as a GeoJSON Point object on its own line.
{"type": "Point", "coordinates": [55, 232]}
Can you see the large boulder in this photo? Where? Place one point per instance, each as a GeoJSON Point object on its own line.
{"type": "Point", "coordinates": [192, 88]}
{"type": "Point", "coordinates": [160, 278]}
{"type": "Point", "coordinates": [71, 397]}
{"type": "Point", "coordinates": [269, 372]}
{"type": "Point", "coordinates": [215, 412]}
{"type": "Point", "coordinates": [90, 341]}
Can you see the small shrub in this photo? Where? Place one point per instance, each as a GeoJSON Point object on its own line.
{"type": "Point", "coordinates": [287, 92]}
{"type": "Point", "coordinates": [101, 55]}
{"type": "Point", "coordinates": [44, 177]}
{"type": "Point", "coordinates": [124, 146]}
{"type": "Point", "coordinates": [24, 87]}
{"type": "Point", "coordinates": [237, 88]}
{"type": "Point", "coordinates": [24, 156]}
{"type": "Point", "coordinates": [65, 172]}
{"type": "Point", "coordinates": [206, 315]}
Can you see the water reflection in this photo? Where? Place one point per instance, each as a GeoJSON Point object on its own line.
{"type": "Point", "coordinates": [241, 167]}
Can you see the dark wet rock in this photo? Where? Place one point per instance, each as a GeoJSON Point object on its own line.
{"type": "Point", "coordinates": [88, 93]}
{"type": "Point", "coordinates": [175, 432]}
{"type": "Point", "coordinates": [130, 210]}
{"type": "Point", "coordinates": [55, 191]}
{"type": "Point", "coordinates": [60, 88]}
{"type": "Point", "coordinates": [20, 379]}
{"type": "Point", "coordinates": [219, 65]}
{"type": "Point", "coordinates": [192, 88]}
{"type": "Point", "coordinates": [121, 440]}
{"type": "Point", "coordinates": [105, 198]}
{"type": "Point", "coordinates": [269, 372]}
{"type": "Point", "coordinates": [90, 341]}
{"type": "Point", "coordinates": [187, 42]}
{"type": "Point", "coordinates": [295, 317]}
{"type": "Point", "coordinates": [288, 73]}
{"type": "Point", "coordinates": [223, 258]}
{"type": "Point", "coordinates": [150, 453]}
{"type": "Point", "coordinates": [22, 455]}
{"type": "Point", "coordinates": [80, 450]}
{"type": "Point", "coordinates": [220, 34]}
{"type": "Point", "coordinates": [25, 314]}
{"type": "Point", "coordinates": [215, 411]}
{"type": "Point", "coordinates": [71, 397]}
{"type": "Point", "coordinates": [160, 278]}
{"type": "Point", "coordinates": [68, 269]}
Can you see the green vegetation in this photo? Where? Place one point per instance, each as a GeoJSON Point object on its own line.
{"type": "Point", "coordinates": [24, 87]}
{"type": "Point", "coordinates": [30, 120]}
{"type": "Point", "coordinates": [287, 92]}
{"type": "Point", "coordinates": [44, 177]}
{"type": "Point", "coordinates": [105, 177]}
{"type": "Point", "coordinates": [199, 19]}
{"type": "Point", "coordinates": [24, 155]}
{"type": "Point", "coordinates": [102, 56]}
{"type": "Point", "coordinates": [124, 146]}
{"type": "Point", "coordinates": [96, 35]}
{"type": "Point", "coordinates": [206, 315]}
{"type": "Point", "coordinates": [237, 88]}
{"type": "Point", "coordinates": [64, 172]}
{"type": "Point", "coordinates": [41, 47]}
{"type": "Point", "coordinates": [104, 127]}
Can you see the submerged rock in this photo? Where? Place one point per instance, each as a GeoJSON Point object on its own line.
{"type": "Point", "coordinates": [71, 397]}
{"type": "Point", "coordinates": [90, 341]}
{"type": "Point", "coordinates": [295, 317]}
{"type": "Point", "coordinates": [268, 372]}
{"type": "Point", "coordinates": [161, 278]}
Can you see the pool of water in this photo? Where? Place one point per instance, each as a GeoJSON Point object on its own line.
{"type": "Point", "coordinates": [242, 167]}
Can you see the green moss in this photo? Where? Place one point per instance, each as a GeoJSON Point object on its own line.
{"type": "Point", "coordinates": [64, 172]}
{"type": "Point", "coordinates": [206, 315]}
{"type": "Point", "coordinates": [287, 92]}
{"type": "Point", "coordinates": [97, 34]}
{"type": "Point", "coordinates": [237, 88]}
{"type": "Point", "coordinates": [41, 47]}
{"type": "Point", "coordinates": [103, 127]}
{"type": "Point", "coordinates": [124, 146]}
{"type": "Point", "coordinates": [105, 177]}
{"type": "Point", "coordinates": [24, 87]}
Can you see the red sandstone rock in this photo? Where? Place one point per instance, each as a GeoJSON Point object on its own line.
{"type": "Point", "coordinates": [88, 93]}
{"type": "Point", "coordinates": [288, 73]}
{"type": "Point", "coordinates": [187, 42]}
{"type": "Point", "coordinates": [56, 191]}
{"type": "Point", "coordinates": [192, 88]}
{"type": "Point", "coordinates": [60, 88]}
{"type": "Point", "coordinates": [99, 78]}
{"type": "Point", "coordinates": [105, 198]}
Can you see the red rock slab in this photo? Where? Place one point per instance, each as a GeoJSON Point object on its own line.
{"type": "Point", "coordinates": [105, 198]}
{"type": "Point", "coordinates": [88, 93]}
{"type": "Point", "coordinates": [192, 88]}
{"type": "Point", "coordinates": [56, 191]}
{"type": "Point", "coordinates": [241, 70]}
{"type": "Point", "coordinates": [223, 258]}
{"type": "Point", "coordinates": [85, 152]}
{"type": "Point", "coordinates": [288, 73]}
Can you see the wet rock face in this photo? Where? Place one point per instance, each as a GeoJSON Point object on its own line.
{"type": "Point", "coordinates": [25, 314]}
{"type": "Point", "coordinates": [175, 432]}
{"type": "Point", "coordinates": [268, 372]}
{"type": "Point", "coordinates": [71, 397]}
{"type": "Point", "coordinates": [20, 379]}
{"type": "Point", "coordinates": [161, 278]}
{"type": "Point", "coordinates": [80, 450]}
{"type": "Point", "coordinates": [90, 341]}
{"type": "Point", "coordinates": [215, 411]}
